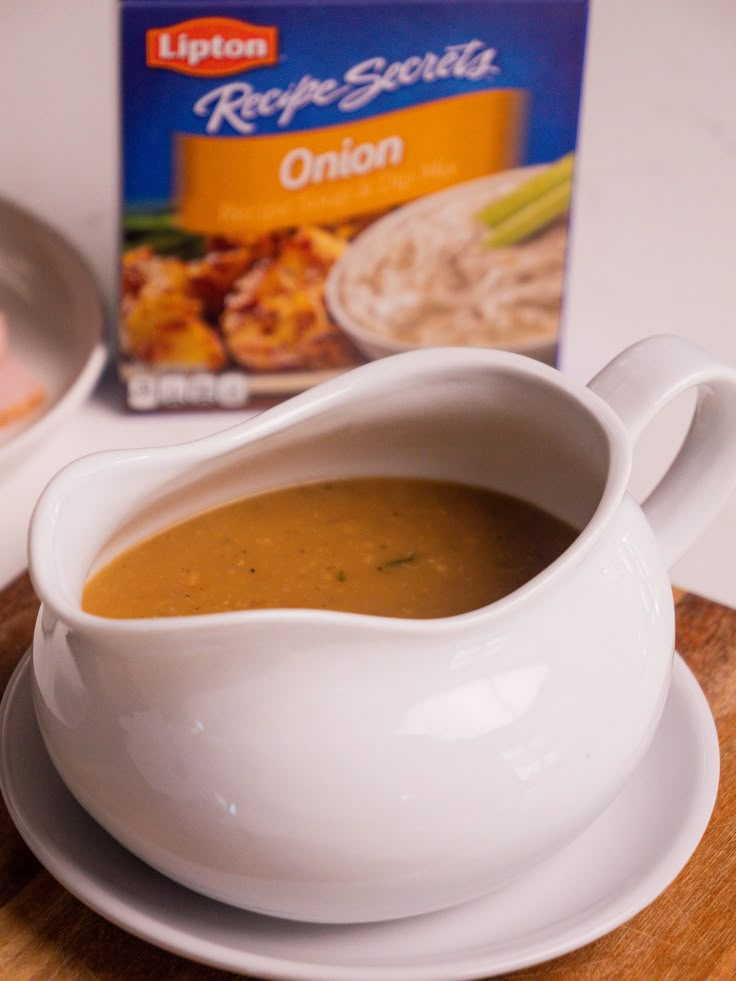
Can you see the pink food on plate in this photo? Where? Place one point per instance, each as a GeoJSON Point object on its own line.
{"type": "Point", "coordinates": [20, 390]}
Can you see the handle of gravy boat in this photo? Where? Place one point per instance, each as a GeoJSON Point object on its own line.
{"type": "Point", "coordinates": [637, 384]}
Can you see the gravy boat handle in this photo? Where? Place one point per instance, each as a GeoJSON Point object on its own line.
{"type": "Point", "coordinates": [637, 384]}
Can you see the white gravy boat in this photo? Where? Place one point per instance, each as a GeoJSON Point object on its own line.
{"type": "Point", "coordinates": [338, 767]}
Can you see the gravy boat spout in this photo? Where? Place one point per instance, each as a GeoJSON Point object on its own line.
{"type": "Point", "coordinates": [339, 767]}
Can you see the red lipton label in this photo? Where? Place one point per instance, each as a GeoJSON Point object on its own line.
{"type": "Point", "coordinates": [211, 46]}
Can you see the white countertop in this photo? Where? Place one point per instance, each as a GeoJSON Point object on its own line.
{"type": "Point", "coordinates": [653, 229]}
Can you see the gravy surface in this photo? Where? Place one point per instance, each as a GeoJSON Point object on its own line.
{"type": "Point", "coordinates": [397, 547]}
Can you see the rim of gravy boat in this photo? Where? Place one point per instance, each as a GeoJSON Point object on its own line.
{"type": "Point", "coordinates": [369, 379]}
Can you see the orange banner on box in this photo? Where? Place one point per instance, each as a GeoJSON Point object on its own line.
{"type": "Point", "coordinates": [244, 185]}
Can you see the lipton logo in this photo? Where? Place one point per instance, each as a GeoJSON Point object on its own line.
{"type": "Point", "coordinates": [211, 46]}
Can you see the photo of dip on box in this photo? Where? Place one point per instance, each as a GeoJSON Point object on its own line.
{"type": "Point", "coordinates": [310, 186]}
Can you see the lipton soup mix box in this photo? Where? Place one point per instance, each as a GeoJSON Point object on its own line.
{"type": "Point", "coordinates": [308, 186]}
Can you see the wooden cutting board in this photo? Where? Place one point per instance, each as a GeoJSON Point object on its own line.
{"type": "Point", "coordinates": [687, 934]}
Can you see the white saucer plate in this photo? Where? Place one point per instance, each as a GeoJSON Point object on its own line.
{"type": "Point", "coordinates": [616, 868]}
{"type": "Point", "coordinates": [55, 318]}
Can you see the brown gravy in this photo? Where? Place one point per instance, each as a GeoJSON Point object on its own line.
{"type": "Point", "coordinates": [396, 547]}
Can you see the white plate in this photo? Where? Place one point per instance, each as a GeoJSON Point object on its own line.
{"type": "Point", "coordinates": [616, 868]}
{"type": "Point", "coordinates": [55, 319]}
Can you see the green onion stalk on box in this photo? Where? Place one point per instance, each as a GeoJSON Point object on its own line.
{"type": "Point", "coordinates": [531, 206]}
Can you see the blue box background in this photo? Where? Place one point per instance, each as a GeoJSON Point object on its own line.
{"type": "Point", "coordinates": [540, 47]}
